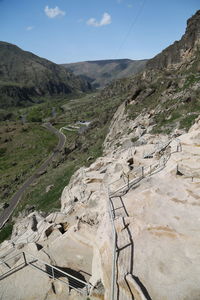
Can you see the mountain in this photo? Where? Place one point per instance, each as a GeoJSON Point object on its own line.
{"type": "Point", "coordinates": [165, 97]}
{"type": "Point", "coordinates": [100, 72]}
{"type": "Point", "coordinates": [134, 212]}
{"type": "Point", "coordinates": [180, 50]}
{"type": "Point", "coordinates": [25, 76]}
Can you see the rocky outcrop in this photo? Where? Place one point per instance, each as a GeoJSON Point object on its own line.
{"type": "Point", "coordinates": [154, 182]}
{"type": "Point", "coordinates": [180, 50]}
{"type": "Point", "coordinates": [162, 99]}
{"type": "Point", "coordinates": [161, 219]}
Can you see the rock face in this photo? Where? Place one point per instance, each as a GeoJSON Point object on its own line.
{"type": "Point", "coordinates": [165, 97]}
{"type": "Point", "coordinates": [179, 50]}
{"type": "Point", "coordinates": [161, 217]}
{"type": "Point", "coordinates": [145, 189]}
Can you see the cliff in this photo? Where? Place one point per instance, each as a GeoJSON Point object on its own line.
{"type": "Point", "coordinates": [144, 191]}
{"type": "Point", "coordinates": [175, 53]}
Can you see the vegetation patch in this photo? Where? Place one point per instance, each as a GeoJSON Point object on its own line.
{"type": "Point", "coordinates": [165, 122]}
{"type": "Point", "coordinates": [187, 121]}
{"type": "Point", "coordinates": [22, 149]}
{"type": "Point", "coordinates": [190, 80]}
{"type": "Point", "coordinates": [82, 147]}
{"type": "Point", "coordinates": [6, 232]}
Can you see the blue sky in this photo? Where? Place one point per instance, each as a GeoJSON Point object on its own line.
{"type": "Point", "coordinates": [77, 30]}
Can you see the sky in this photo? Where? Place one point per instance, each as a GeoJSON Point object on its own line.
{"type": "Point", "coordinates": [66, 31]}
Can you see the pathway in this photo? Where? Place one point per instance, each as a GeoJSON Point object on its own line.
{"type": "Point", "coordinates": [123, 254]}
{"type": "Point", "coordinates": [17, 196]}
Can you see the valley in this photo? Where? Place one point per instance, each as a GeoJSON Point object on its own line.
{"type": "Point", "coordinates": [80, 148]}
{"type": "Point", "coordinates": [118, 205]}
{"type": "Point", "coordinates": [9, 208]}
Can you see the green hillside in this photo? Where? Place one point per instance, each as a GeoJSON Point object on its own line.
{"type": "Point", "coordinates": [25, 77]}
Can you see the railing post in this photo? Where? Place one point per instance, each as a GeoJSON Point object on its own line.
{"type": "Point", "coordinates": [53, 273]}
{"type": "Point", "coordinates": [123, 176]}
{"type": "Point", "coordinates": [25, 261]}
{"type": "Point", "coordinates": [142, 171]}
{"type": "Point", "coordinates": [113, 267]}
{"type": "Point", "coordinates": [128, 181]}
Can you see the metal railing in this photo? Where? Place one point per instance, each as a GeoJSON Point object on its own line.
{"type": "Point", "coordinates": [24, 259]}
{"type": "Point", "coordinates": [158, 147]}
{"type": "Point", "coordinates": [143, 172]}
{"type": "Point", "coordinates": [114, 233]}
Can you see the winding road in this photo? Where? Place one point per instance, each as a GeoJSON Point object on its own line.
{"type": "Point", "coordinates": [17, 196]}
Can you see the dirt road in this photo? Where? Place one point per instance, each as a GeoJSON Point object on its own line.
{"type": "Point", "coordinates": [17, 196]}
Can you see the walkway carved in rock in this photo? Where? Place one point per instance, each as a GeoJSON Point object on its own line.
{"type": "Point", "coordinates": [123, 280]}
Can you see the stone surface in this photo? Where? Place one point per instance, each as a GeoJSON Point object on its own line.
{"type": "Point", "coordinates": [157, 220]}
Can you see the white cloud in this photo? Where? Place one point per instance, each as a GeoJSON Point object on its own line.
{"type": "Point", "coordinates": [105, 20]}
{"type": "Point", "coordinates": [53, 12]}
{"type": "Point", "coordinates": [29, 28]}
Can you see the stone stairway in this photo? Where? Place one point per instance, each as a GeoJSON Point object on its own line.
{"type": "Point", "coordinates": [124, 248]}
{"type": "Point", "coordinates": [124, 257]}
{"type": "Point", "coordinates": [128, 286]}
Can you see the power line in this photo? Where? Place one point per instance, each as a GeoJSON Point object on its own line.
{"type": "Point", "coordinates": [133, 23]}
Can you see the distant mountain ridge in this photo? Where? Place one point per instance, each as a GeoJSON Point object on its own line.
{"type": "Point", "coordinates": [24, 76]}
{"type": "Point", "coordinates": [101, 72]}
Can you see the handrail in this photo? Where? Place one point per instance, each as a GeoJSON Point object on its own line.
{"type": "Point", "coordinates": [157, 148]}
{"type": "Point", "coordinates": [46, 264]}
{"type": "Point", "coordinates": [114, 250]}
{"type": "Point", "coordinates": [53, 271]}
{"type": "Point", "coordinates": [159, 165]}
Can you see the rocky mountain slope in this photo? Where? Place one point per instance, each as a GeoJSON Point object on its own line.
{"type": "Point", "coordinates": [166, 96]}
{"type": "Point", "coordinates": [161, 218]}
{"type": "Point", "coordinates": [145, 188]}
{"type": "Point", "coordinates": [180, 50]}
{"type": "Point", "coordinates": [99, 73]}
{"type": "Point", "coordinates": [25, 76]}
